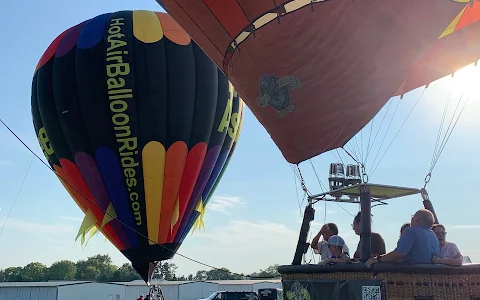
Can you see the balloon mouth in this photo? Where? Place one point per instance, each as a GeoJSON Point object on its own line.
{"type": "Point", "coordinates": [144, 260]}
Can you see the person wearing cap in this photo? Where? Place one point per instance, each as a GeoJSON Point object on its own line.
{"type": "Point", "coordinates": [336, 247]}
{"type": "Point", "coordinates": [321, 247]}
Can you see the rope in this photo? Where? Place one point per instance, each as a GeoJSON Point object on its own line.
{"type": "Point", "coordinates": [104, 211]}
{"type": "Point", "coordinates": [440, 128]}
{"type": "Point", "coordinates": [296, 191]}
{"type": "Point", "coordinates": [385, 136]}
{"type": "Point", "coordinates": [302, 181]}
{"type": "Point", "coordinates": [339, 156]}
{"type": "Point", "coordinates": [445, 139]}
{"type": "Point", "coordinates": [370, 146]}
{"type": "Point", "coordinates": [322, 187]}
{"type": "Point", "coordinates": [351, 156]}
{"type": "Point", "coordinates": [18, 194]}
{"type": "Point", "coordinates": [409, 113]}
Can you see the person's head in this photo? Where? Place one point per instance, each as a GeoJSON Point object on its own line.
{"type": "Point", "coordinates": [440, 232]}
{"type": "Point", "coordinates": [335, 245]}
{"type": "Point", "coordinates": [357, 227]}
{"type": "Point", "coordinates": [423, 217]}
{"type": "Point", "coordinates": [404, 226]}
{"type": "Point", "coordinates": [332, 230]}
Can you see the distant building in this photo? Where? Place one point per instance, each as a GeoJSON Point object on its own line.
{"type": "Point", "coordinates": [60, 290]}
{"type": "Point", "coordinates": [86, 290]}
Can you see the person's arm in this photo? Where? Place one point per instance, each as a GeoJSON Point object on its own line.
{"type": "Point", "coordinates": [356, 256]}
{"type": "Point", "coordinates": [404, 245]}
{"type": "Point", "coordinates": [457, 261]}
{"type": "Point", "coordinates": [315, 240]}
{"type": "Point", "coordinates": [344, 258]}
{"type": "Point", "coordinates": [338, 260]}
{"type": "Point", "coordinates": [392, 256]}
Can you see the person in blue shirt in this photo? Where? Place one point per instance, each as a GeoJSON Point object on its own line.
{"type": "Point", "coordinates": [417, 245]}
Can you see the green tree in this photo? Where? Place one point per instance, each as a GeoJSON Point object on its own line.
{"type": "Point", "coordinates": [97, 268]}
{"type": "Point", "coordinates": [182, 278]}
{"type": "Point", "coordinates": [125, 273]}
{"type": "Point", "coordinates": [271, 271]}
{"type": "Point", "coordinates": [62, 270]}
{"type": "Point", "coordinates": [13, 274]}
{"type": "Point", "coordinates": [101, 268]}
{"type": "Point", "coordinates": [90, 273]}
{"type": "Point", "coordinates": [165, 271]}
{"type": "Point", "coordinates": [34, 271]}
{"type": "Point", "coordinates": [201, 275]}
{"type": "Point", "coordinates": [219, 274]}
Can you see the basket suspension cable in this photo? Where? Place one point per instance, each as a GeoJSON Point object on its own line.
{"type": "Point", "coordinates": [362, 166]}
{"type": "Point", "coordinates": [351, 156]}
{"type": "Point", "coordinates": [446, 138]}
{"type": "Point", "coordinates": [302, 181]}
{"type": "Point", "coordinates": [398, 131]}
{"type": "Point", "coordinates": [441, 127]}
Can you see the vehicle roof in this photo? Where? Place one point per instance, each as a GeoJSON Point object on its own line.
{"type": "Point", "coordinates": [235, 292]}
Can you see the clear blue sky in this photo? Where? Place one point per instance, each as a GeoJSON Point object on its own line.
{"type": "Point", "coordinates": [254, 218]}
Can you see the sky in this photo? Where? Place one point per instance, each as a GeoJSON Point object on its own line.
{"type": "Point", "coordinates": [254, 218]}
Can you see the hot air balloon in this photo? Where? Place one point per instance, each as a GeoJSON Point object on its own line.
{"type": "Point", "coordinates": [139, 125]}
{"type": "Point", "coordinates": [323, 69]}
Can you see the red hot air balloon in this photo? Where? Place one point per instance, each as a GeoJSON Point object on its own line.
{"type": "Point", "coordinates": [314, 72]}
{"type": "Point", "coordinates": [138, 124]}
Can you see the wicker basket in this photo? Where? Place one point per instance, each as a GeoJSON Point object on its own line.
{"type": "Point", "coordinates": [429, 285]}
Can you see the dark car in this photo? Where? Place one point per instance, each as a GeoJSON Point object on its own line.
{"type": "Point", "coordinates": [270, 294]}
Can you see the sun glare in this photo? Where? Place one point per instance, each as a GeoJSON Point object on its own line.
{"type": "Point", "coordinates": [466, 81]}
{"type": "Point", "coordinates": [465, 92]}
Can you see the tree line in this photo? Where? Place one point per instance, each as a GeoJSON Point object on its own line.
{"type": "Point", "coordinates": [101, 269]}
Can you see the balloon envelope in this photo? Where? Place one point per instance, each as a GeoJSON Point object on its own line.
{"type": "Point", "coordinates": [137, 122]}
{"type": "Point", "coordinates": [315, 72]}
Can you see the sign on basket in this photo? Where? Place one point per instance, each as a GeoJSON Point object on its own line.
{"type": "Point", "coordinates": [371, 293]}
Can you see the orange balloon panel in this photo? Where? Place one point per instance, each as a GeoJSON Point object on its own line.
{"type": "Point", "coordinates": [315, 72]}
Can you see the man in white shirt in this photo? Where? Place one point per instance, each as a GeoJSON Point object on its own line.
{"type": "Point", "coordinates": [449, 252]}
{"type": "Point", "coordinates": [321, 247]}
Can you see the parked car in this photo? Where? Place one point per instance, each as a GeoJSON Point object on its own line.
{"type": "Point", "coordinates": [222, 295]}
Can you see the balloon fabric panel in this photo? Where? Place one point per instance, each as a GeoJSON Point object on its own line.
{"type": "Point", "coordinates": [458, 46]}
{"type": "Point", "coordinates": [217, 137]}
{"type": "Point", "coordinates": [221, 163]}
{"type": "Point", "coordinates": [315, 72]}
{"type": "Point", "coordinates": [133, 115]}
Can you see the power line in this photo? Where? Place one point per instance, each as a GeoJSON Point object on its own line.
{"type": "Point", "coordinates": [104, 211]}
{"type": "Point", "coordinates": [18, 194]}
